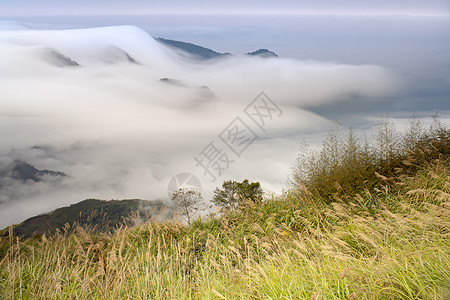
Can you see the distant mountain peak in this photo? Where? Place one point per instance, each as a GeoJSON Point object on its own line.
{"type": "Point", "coordinates": [24, 171]}
{"type": "Point", "coordinates": [263, 53]}
{"type": "Point", "coordinates": [192, 49]}
{"type": "Point", "coordinates": [61, 60]}
{"type": "Point", "coordinates": [203, 53]}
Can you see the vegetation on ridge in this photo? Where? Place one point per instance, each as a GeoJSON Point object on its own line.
{"type": "Point", "coordinates": [93, 215]}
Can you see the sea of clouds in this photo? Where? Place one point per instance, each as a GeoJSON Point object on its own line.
{"type": "Point", "coordinates": [91, 103]}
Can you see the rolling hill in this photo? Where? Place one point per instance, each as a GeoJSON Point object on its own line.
{"type": "Point", "coordinates": [95, 215]}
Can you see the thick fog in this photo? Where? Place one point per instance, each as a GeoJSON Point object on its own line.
{"type": "Point", "coordinates": [121, 114]}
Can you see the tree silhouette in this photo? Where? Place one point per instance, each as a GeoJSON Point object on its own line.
{"type": "Point", "coordinates": [188, 202]}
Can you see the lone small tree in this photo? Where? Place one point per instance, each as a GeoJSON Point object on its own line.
{"type": "Point", "coordinates": [189, 202]}
{"type": "Point", "coordinates": [234, 194]}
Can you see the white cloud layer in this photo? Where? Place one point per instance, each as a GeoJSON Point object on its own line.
{"type": "Point", "coordinates": [120, 132]}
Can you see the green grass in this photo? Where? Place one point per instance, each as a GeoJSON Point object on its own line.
{"type": "Point", "coordinates": [389, 241]}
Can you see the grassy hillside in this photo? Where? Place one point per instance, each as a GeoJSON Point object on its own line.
{"type": "Point", "coordinates": [385, 238]}
{"type": "Point", "coordinates": [95, 215]}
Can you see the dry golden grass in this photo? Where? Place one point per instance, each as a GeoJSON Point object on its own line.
{"type": "Point", "coordinates": [283, 249]}
{"type": "Point", "coordinates": [388, 242]}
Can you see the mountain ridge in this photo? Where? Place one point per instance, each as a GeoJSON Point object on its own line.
{"type": "Point", "coordinates": [265, 53]}
{"type": "Point", "coordinates": [192, 49]}
{"type": "Point", "coordinates": [95, 215]}
{"type": "Point", "coordinates": [24, 171]}
{"type": "Point", "coordinates": [204, 53]}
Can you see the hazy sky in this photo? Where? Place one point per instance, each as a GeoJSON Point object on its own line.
{"type": "Point", "coordinates": [379, 7]}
